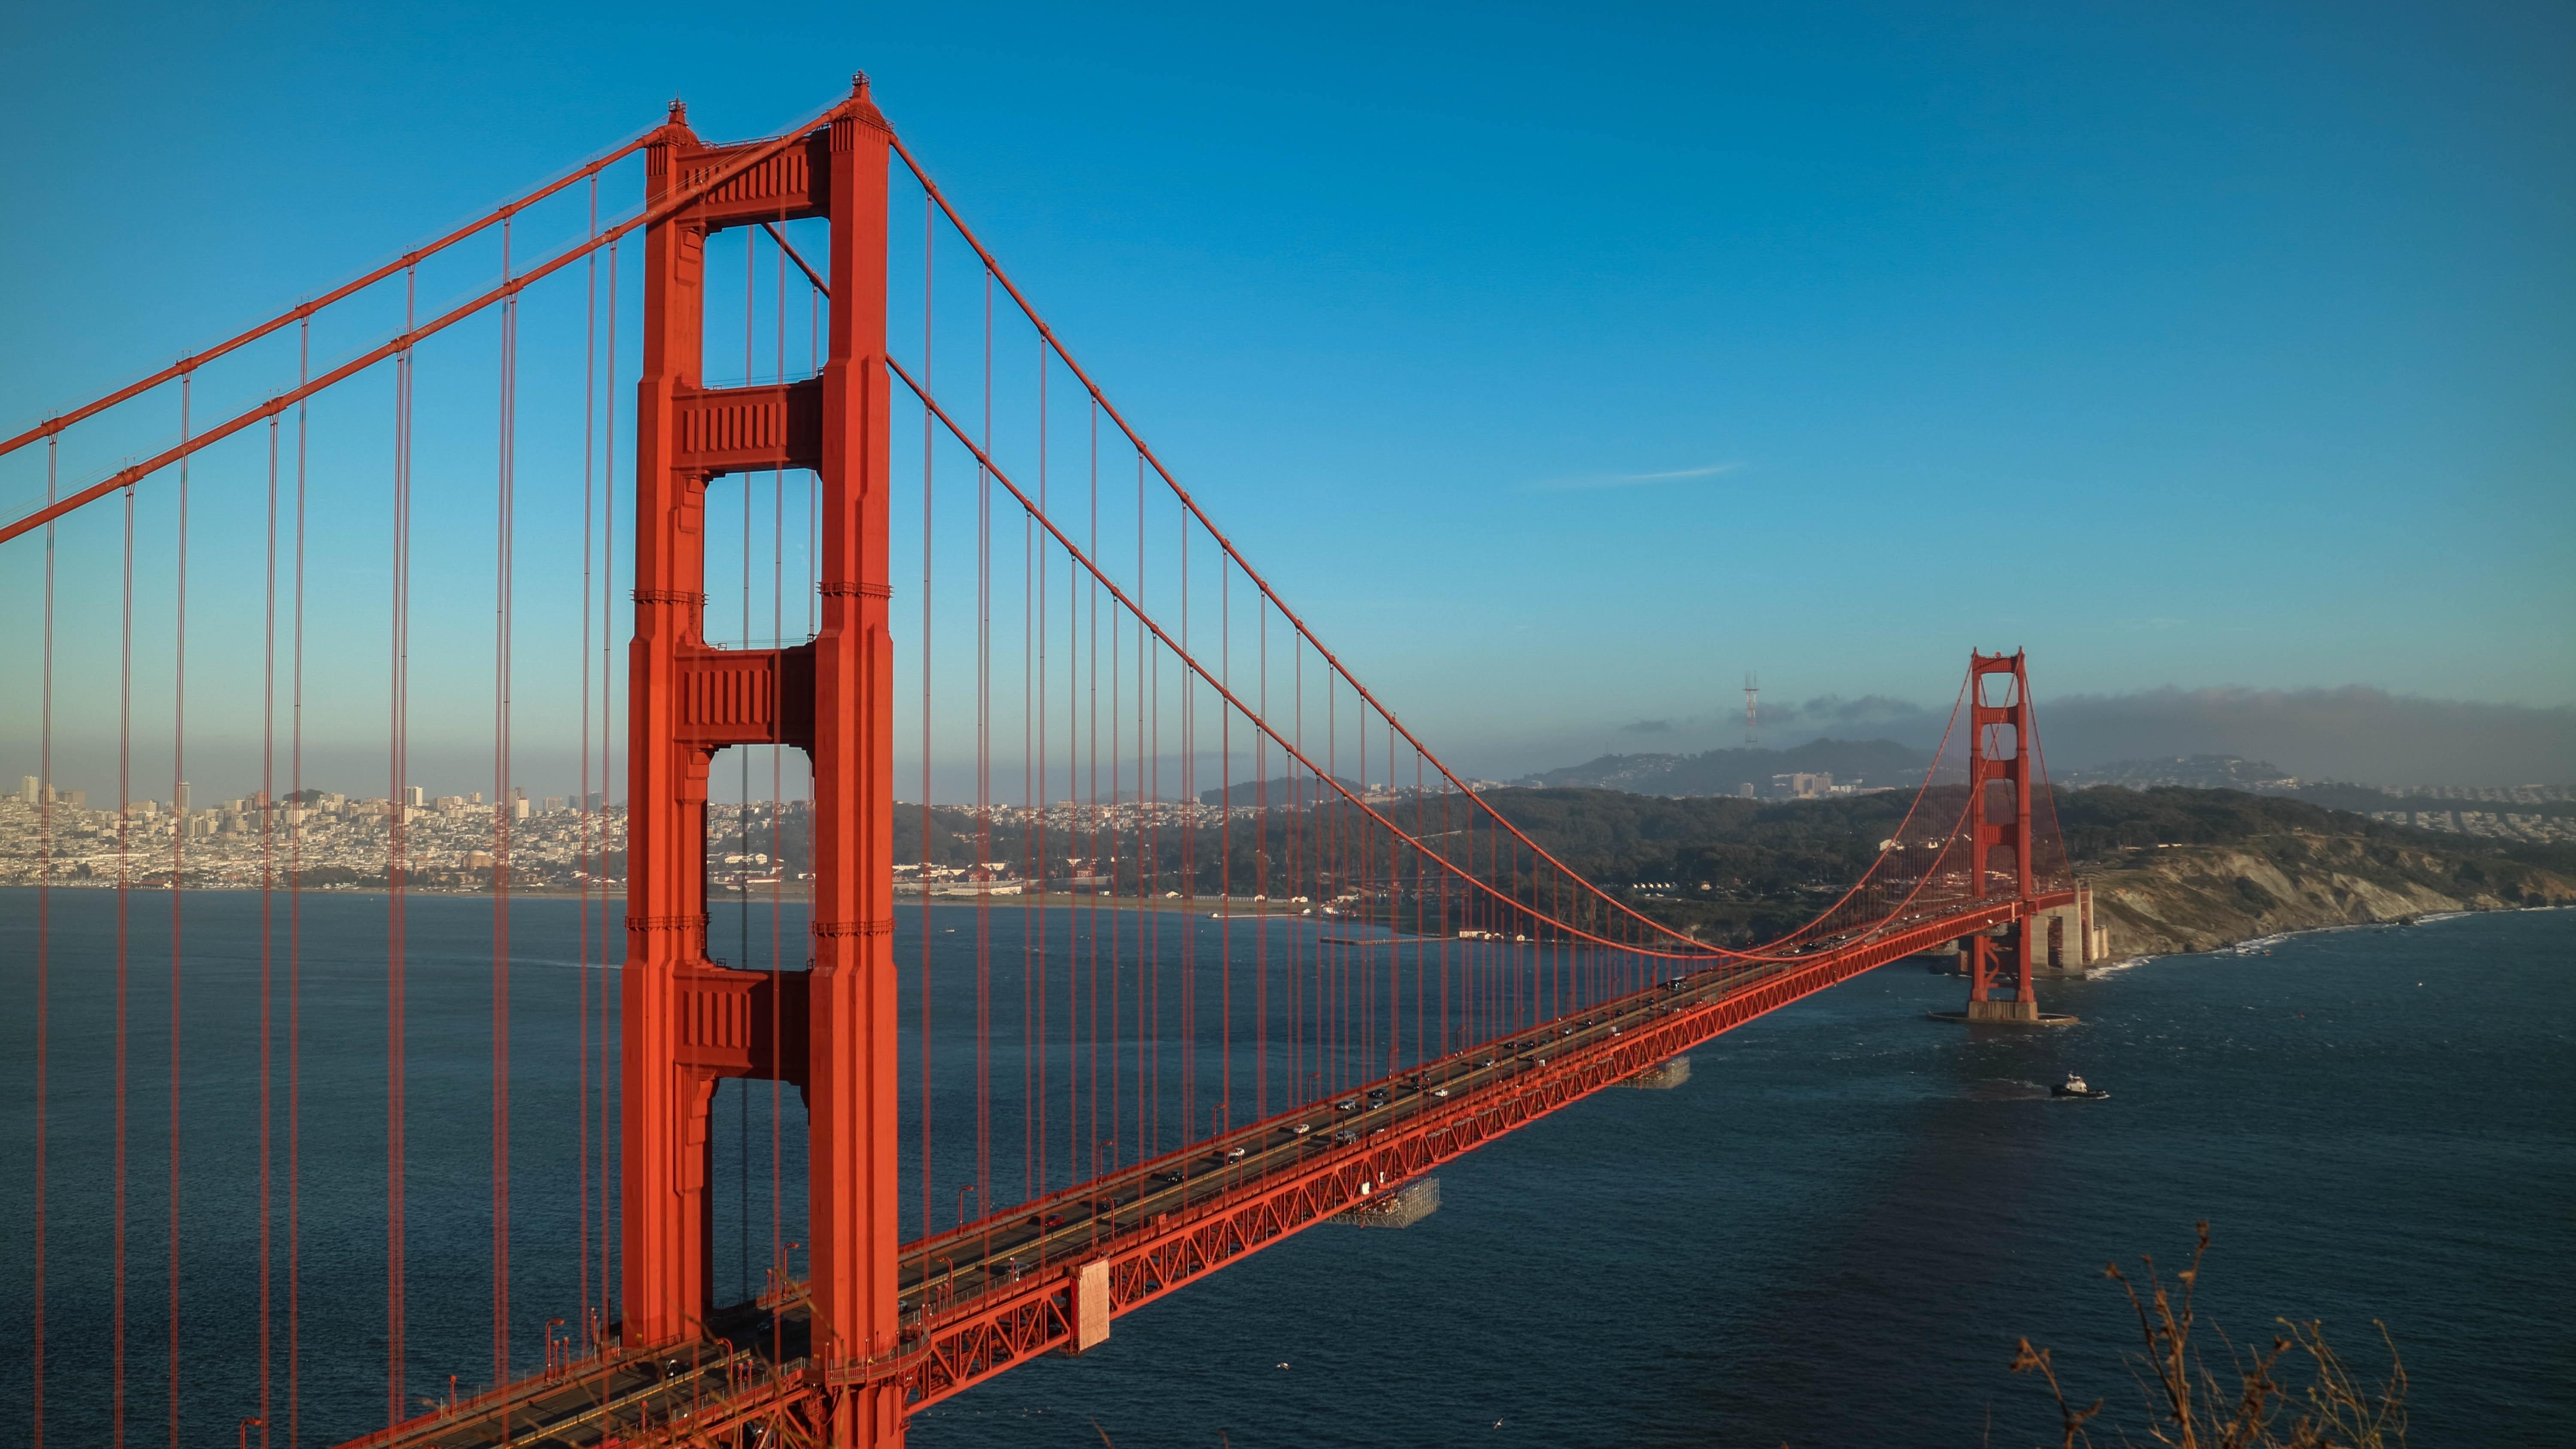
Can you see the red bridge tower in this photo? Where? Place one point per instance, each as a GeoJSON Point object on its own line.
{"type": "Point", "coordinates": [1998, 820]}
{"type": "Point", "coordinates": [688, 1022]}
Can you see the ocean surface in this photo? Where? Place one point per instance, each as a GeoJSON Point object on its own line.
{"type": "Point", "coordinates": [1833, 1233]}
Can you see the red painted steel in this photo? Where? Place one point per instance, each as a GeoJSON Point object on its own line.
{"type": "Point", "coordinates": [1986, 830]}
{"type": "Point", "coordinates": [304, 312]}
{"type": "Point", "coordinates": [688, 1021]}
{"type": "Point", "coordinates": [947, 1352]}
{"type": "Point", "coordinates": [700, 185]}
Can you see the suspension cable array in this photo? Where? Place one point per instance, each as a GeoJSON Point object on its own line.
{"type": "Point", "coordinates": [1227, 950]}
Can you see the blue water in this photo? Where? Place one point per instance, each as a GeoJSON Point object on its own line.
{"type": "Point", "coordinates": [1832, 1234]}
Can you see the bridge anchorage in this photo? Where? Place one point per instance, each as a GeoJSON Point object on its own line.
{"type": "Point", "coordinates": [1211, 1018]}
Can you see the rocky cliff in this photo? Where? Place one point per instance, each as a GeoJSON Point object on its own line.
{"type": "Point", "coordinates": [2195, 897]}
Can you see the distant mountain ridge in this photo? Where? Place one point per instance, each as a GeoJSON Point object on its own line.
{"type": "Point", "coordinates": [1727, 772]}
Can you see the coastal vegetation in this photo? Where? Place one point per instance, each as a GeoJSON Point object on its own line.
{"type": "Point", "coordinates": [2295, 1392]}
{"type": "Point", "coordinates": [2173, 868]}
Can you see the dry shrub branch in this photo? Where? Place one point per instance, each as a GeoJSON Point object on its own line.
{"type": "Point", "coordinates": [2295, 1393]}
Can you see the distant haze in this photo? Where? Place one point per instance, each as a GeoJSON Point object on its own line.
{"type": "Point", "coordinates": [2353, 733]}
{"type": "Point", "coordinates": [2357, 732]}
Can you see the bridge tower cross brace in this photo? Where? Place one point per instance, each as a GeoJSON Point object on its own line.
{"type": "Point", "coordinates": [688, 1020]}
{"type": "Point", "coordinates": [1999, 753]}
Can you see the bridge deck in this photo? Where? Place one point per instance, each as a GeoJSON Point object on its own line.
{"type": "Point", "coordinates": [982, 1298]}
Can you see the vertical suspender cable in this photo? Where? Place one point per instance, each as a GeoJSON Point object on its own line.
{"type": "Point", "coordinates": [1117, 937]}
{"type": "Point", "coordinates": [179, 876]}
{"type": "Point", "coordinates": [268, 817]}
{"type": "Point", "coordinates": [504, 808]}
{"type": "Point", "coordinates": [586, 861]}
{"type": "Point", "coordinates": [1032, 1039]}
{"type": "Point", "coordinates": [178, 890]}
{"type": "Point", "coordinates": [124, 894]}
{"type": "Point", "coordinates": [44, 946]}
{"type": "Point", "coordinates": [1091, 745]}
{"type": "Point", "coordinates": [777, 792]}
{"type": "Point", "coordinates": [812, 588]}
{"type": "Point", "coordinates": [1261, 878]}
{"type": "Point", "coordinates": [1189, 863]}
{"type": "Point", "coordinates": [928, 238]}
{"type": "Point", "coordinates": [1150, 755]}
{"type": "Point", "coordinates": [397, 819]}
{"type": "Point", "coordinates": [295, 943]}
{"type": "Point", "coordinates": [610, 943]}
{"type": "Point", "coordinates": [976, 873]}
{"type": "Point", "coordinates": [1225, 847]}
{"type": "Point", "coordinates": [1036, 837]}
{"type": "Point", "coordinates": [1298, 872]}
{"type": "Point", "coordinates": [742, 804]}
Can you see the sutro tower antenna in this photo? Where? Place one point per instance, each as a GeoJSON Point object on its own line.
{"type": "Point", "coordinates": [1752, 688]}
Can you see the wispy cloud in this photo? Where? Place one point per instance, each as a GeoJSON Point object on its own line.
{"type": "Point", "coordinates": [1627, 480]}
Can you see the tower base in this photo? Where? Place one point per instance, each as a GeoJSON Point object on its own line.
{"type": "Point", "coordinates": [1662, 1076]}
{"type": "Point", "coordinates": [2004, 1013]}
{"type": "Point", "coordinates": [1397, 1207]}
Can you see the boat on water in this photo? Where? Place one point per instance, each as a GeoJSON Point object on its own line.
{"type": "Point", "coordinates": [2074, 1087]}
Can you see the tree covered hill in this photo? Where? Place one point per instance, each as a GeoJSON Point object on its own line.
{"type": "Point", "coordinates": [1727, 772]}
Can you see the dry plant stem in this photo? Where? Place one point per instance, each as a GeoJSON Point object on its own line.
{"type": "Point", "coordinates": [2196, 1410]}
{"type": "Point", "coordinates": [2168, 1334]}
{"type": "Point", "coordinates": [2071, 1419]}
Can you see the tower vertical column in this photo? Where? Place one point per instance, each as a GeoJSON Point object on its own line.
{"type": "Point", "coordinates": [662, 1109]}
{"type": "Point", "coordinates": [850, 1091]}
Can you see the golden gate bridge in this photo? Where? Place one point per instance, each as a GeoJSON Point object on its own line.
{"type": "Point", "coordinates": [818, 574]}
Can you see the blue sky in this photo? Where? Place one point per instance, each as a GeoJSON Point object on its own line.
{"type": "Point", "coordinates": [1624, 350]}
